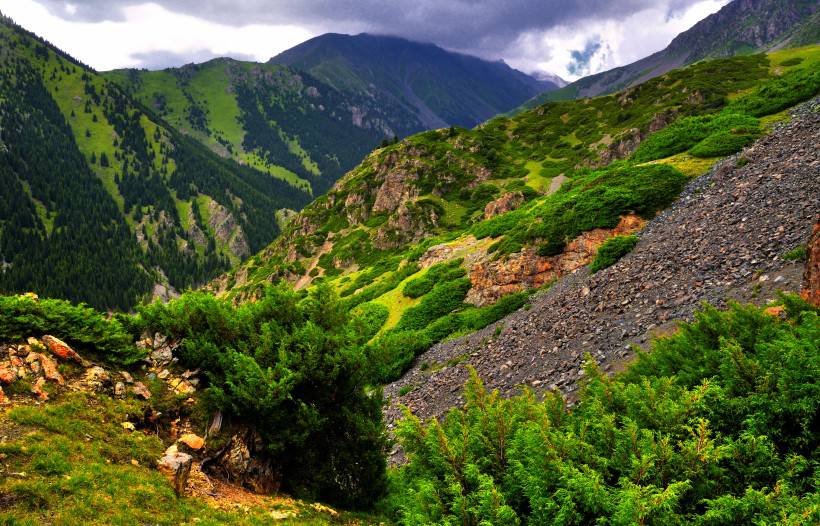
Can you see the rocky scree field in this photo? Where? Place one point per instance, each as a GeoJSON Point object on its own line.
{"type": "Point", "coordinates": [727, 238]}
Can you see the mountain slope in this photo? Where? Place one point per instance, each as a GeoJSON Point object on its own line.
{"type": "Point", "coordinates": [103, 200]}
{"type": "Point", "coordinates": [270, 117]}
{"type": "Point", "coordinates": [740, 27]}
{"type": "Point", "coordinates": [425, 86]}
{"type": "Point", "coordinates": [450, 230]}
{"type": "Point", "coordinates": [727, 238]}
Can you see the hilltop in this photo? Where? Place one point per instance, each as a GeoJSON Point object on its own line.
{"type": "Point", "coordinates": [425, 86]}
{"type": "Point", "coordinates": [273, 118]}
{"type": "Point", "coordinates": [741, 27]}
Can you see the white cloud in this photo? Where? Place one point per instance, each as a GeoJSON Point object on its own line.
{"type": "Point", "coordinates": [150, 28]}
{"type": "Point", "coordinates": [622, 41]}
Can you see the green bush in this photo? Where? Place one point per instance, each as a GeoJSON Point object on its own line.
{"type": "Point", "coordinates": [294, 368]}
{"type": "Point", "coordinates": [717, 425]}
{"type": "Point", "coordinates": [687, 132]}
{"type": "Point", "coordinates": [778, 94]}
{"type": "Point", "coordinates": [721, 144]}
{"type": "Point", "coordinates": [796, 254]}
{"type": "Point", "coordinates": [611, 251]}
{"type": "Point", "coordinates": [78, 325]}
{"type": "Point", "coordinates": [443, 299]}
{"type": "Point", "coordinates": [371, 317]}
{"type": "Point", "coordinates": [447, 271]}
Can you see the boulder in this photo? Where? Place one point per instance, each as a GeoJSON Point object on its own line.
{"type": "Point", "coordinates": [97, 378]}
{"type": "Point", "coordinates": [50, 369]}
{"type": "Point", "coordinates": [119, 389]}
{"type": "Point", "coordinates": [192, 441]}
{"type": "Point", "coordinates": [7, 374]}
{"type": "Point", "coordinates": [38, 389]}
{"type": "Point", "coordinates": [61, 350]}
{"type": "Point", "coordinates": [178, 466]}
{"type": "Point", "coordinates": [141, 391]}
{"type": "Point", "coordinates": [243, 461]}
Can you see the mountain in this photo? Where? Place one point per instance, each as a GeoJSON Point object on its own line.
{"type": "Point", "coordinates": [740, 27]}
{"type": "Point", "coordinates": [426, 86]}
{"type": "Point", "coordinates": [102, 200]}
{"type": "Point", "coordinates": [273, 118]}
{"type": "Point", "coordinates": [451, 229]}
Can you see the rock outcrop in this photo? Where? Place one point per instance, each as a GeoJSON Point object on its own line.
{"type": "Point", "coordinates": [811, 276]}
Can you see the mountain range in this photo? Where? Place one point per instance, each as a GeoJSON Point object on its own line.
{"type": "Point", "coordinates": [740, 27]}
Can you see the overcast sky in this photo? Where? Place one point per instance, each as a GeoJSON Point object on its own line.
{"type": "Point", "coordinates": [571, 38]}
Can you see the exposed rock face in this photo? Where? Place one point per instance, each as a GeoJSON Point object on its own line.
{"type": "Point", "coordinates": [492, 280]}
{"type": "Point", "coordinates": [242, 461]}
{"type": "Point", "coordinates": [811, 276]}
{"type": "Point", "coordinates": [227, 230]}
{"type": "Point", "coordinates": [721, 240]}
{"type": "Point", "coordinates": [506, 203]}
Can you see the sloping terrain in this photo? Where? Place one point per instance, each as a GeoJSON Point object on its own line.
{"type": "Point", "coordinates": [423, 85]}
{"type": "Point", "coordinates": [739, 28]}
{"type": "Point", "coordinates": [102, 201]}
{"type": "Point", "coordinates": [724, 239]}
{"type": "Point", "coordinates": [270, 117]}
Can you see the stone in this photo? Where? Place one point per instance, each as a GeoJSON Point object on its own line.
{"type": "Point", "coordinates": [165, 373]}
{"type": "Point", "coordinates": [127, 377]}
{"type": "Point", "coordinates": [192, 441]}
{"type": "Point", "coordinates": [39, 389]}
{"type": "Point", "coordinates": [177, 466]}
{"type": "Point", "coordinates": [141, 391]}
{"type": "Point", "coordinates": [60, 349]}
{"type": "Point", "coordinates": [7, 374]}
{"type": "Point", "coordinates": [180, 386]}
{"type": "Point", "coordinates": [96, 377]}
{"type": "Point", "coordinates": [119, 389]}
{"type": "Point", "coordinates": [50, 369]}
{"type": "Point", "coordinates": [35, 344]}
{"type": "Point", "coordinates": [3, 398]}
{"type": "Point", "coordinates": [128, 426]}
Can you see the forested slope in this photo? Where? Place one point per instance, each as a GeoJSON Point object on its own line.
{"type": "Point", "coordinates": [103, 201]}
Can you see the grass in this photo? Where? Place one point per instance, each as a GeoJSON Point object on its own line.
{"type": "Point", "coordinates": [75, 464]}
{"type": "Point", "coordinates": [397, 303]}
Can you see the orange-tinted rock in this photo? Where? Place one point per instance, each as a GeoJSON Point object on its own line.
{"type": "Point", "coordinates": [2, 396]}
{"type": "Point", "coordinates": [506, 203]}
{"type": "Point", "coordinates": [775, 311]}
{"type": "Point", "coordinates": [50, 370]}
{"type": "Point", "coordinates": [192, 441]}
{"type": "Point", "coordinates": [39, 389]}
{"type": "Point", "coordinates": [7, 374]}
{"type": "Point", "coordinates": [811, 276]}
{"type": "Point", "coordinates": [60, 349]}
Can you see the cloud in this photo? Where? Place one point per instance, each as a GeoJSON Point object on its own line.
{"type": "Point", "coordinates": [528, 34]}
{"type": "Point", "coordinates": [168, 59]}
{"type": "Point", "coordinates": [580, 58]}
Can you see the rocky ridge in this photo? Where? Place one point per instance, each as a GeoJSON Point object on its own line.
{"type": "Point", "coordinates": [722, 240]}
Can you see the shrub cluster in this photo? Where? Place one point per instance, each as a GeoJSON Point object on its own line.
{"type": "Point", "coordinates": [294, 368]}
{"type": "Point", "coordinates": [718, 425]}
{"type": "Point", "coordinates": [611, 251]}
{"type": "Point", "coordinates": [77, 325]}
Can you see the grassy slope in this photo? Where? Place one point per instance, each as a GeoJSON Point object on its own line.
{"type": "Point", "coordinates": [209, 86]}
{"type": "Point", "coordinates": [531, 149]}
{"type": "Point", "coordinates": [71, 462]}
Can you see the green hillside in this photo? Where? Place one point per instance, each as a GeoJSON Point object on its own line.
{"type": "Point", "coordinates": [268, 117]}
{"type": "Point", "coordinates": [428, 236]}
{"type": "Point", "coordinates": [102, 200]}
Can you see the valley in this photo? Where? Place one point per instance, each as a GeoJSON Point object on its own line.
{"type": "Point", "coordinates": [376, 281]}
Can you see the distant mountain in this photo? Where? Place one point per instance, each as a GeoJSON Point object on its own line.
{"type": "Point", "coordinates": [271, 117]}
{"type": "Point", "coordinates": [425, 86]}
{"type": "Point", "coordinates": [741, 27]}
{"type": "Point", "coordinates": [101, 200]}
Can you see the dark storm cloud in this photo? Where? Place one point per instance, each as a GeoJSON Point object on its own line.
{"type": "Point", "coordinates": [473, 25]}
